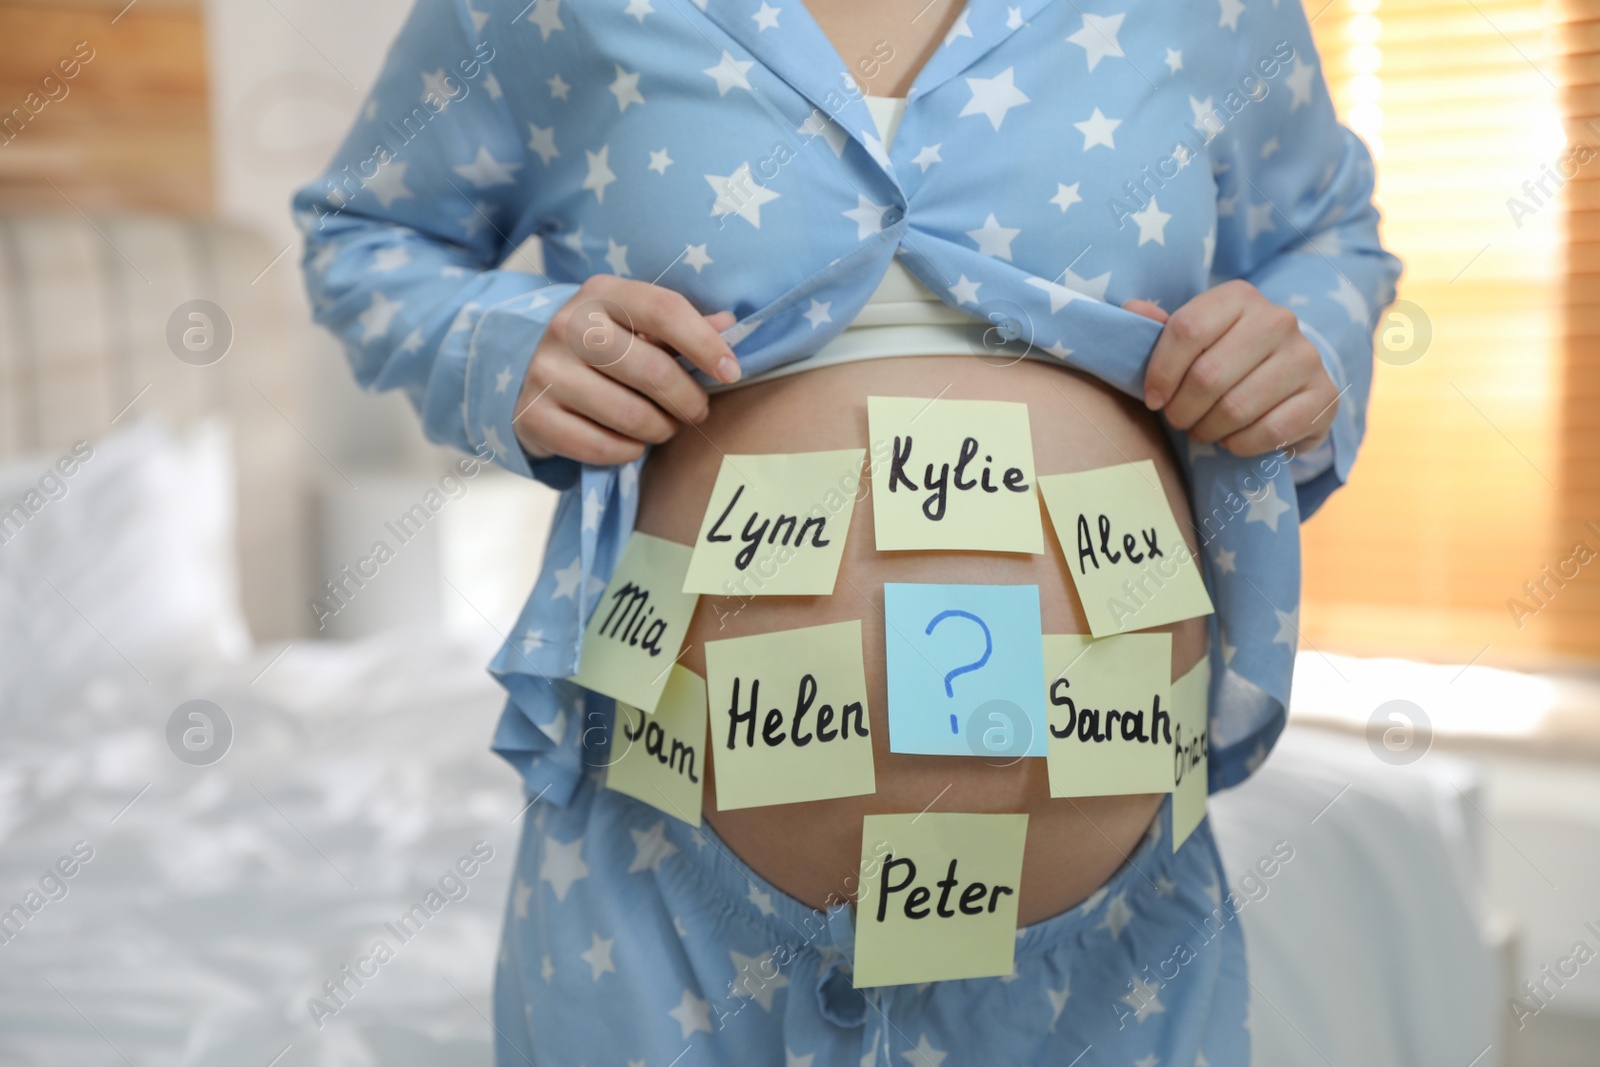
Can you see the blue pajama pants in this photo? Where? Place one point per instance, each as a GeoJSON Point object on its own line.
{"type": "Point", "coordinates": [634, 939]}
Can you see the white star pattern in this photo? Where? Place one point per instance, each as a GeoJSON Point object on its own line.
{"type": "Point", "coordinates": [1299, 83]}
{"type": "Point", "coordinates": [519, 899]}
{"type": "Point", "coordinates": [1098, 37]}
{"type": "Point", "coordinates": [1144, 999]}
{"type": "Point", "coordinates": [567, 579]}
{"type": "Point", "coordinates": [994, 239]}
{"type": "Point", "coordinates": [867, 216]}
{"type": "Point", "coordinates": [817, 313]}
{"type": "Point", "coordinates": [389, 259]}
{"type": "Point", "coordinates": [380, 313]}
{"type": "Point", "coordinates": [1349, 297]}
{"type": "Point", "coordinates": [598, 957]}
{"type": "Point", "coordinates": [484, 171]}
{"type": "Point", "coordinates": [1152, 223]}
{"type": "Point", "coordinates": [739, 194]}
{"type": "Point", "coordinates": [1066, 196]}
{"type": "Point", "coordinates": [757, 978]}
{"type": "Point", "coordinates": [993, 97]}
{"type": "Point", "coordinates": [696, 257]}
{"type": "Point", "coordinates": [388, 184]}
{"type": "Point", "coordinates": [650, 847]}
{"type": "Point", "coordinates": [532, 641]}
{"type": "Point", "coordinates": [767, 17]}
{"type": "Point", "coordinates": [924, 1055]}
{"type": "Point", "coordinates": [562, 865]}
{"type": "Point", "coordinates": [1098, 130]}
{"type": "Point", "coordinates": [762, 901]}
{"type": "Point", "coordinates": [1174, 60]}
{"type": "Point", "coordinates": [542, 142]}
{"type": "Point", "coordinates": [660, 161]}
{"type": "Point", "coordinates": [1258, 220]}
{"type": "Point", "coordinates": [600, 174]}
{"type": "Point", "coordinates": [1231, 10]}
{"type": "Point", "coordinates": [546, 15]}
{"type": "Point", "coordinates": [1118, 915]}
{"type": "Point", "coordinates": [1288, 627]}
{"type": "Point", "coordinates": [1267, 508]}
{"type": "Point", "coordinates": [625, 87]}
{"type": "Point", "coordinates": [617, 259]}
{"type": "Point", "coordinates": [965, 290]}
{"type": "Point", "coordinates": [730, 73]}
{"type": "Point", "coordinates": [692, 1014]}
{"type": "Point", "coordinates": [1058, 1001]}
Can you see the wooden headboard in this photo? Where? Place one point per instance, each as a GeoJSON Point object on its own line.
{"type": "Point", "coordinates": [84, 314]}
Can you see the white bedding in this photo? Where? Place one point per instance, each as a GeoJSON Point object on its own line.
{"type": "Point", "coordinates": [1367, 948]}
{"type": "Point", "coordinates": [217, 903]}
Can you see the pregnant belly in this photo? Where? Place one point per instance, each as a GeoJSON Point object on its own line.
{"type": "Point", "coordinates": [812, 851]}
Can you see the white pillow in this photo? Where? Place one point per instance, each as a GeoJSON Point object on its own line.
{"type": "Point", "coordinates": [118, 555]}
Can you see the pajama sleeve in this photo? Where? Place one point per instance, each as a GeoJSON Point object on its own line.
{"type": "Point", "coordinates": [1296, 220]}
{"type": "Point", "coordinates": [406, 241]}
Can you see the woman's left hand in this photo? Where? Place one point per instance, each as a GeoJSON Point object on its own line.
{"type": "Point", "coordinates": [1233, 368]}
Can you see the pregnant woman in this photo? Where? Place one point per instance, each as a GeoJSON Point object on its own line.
{"type": "Point", "coordinates": [615, 241]}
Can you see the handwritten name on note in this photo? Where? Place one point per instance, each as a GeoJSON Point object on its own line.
{"type": "Point", "coordinates": [1110, 717]}
{"type": "Point", "coordinates": [776, 524]}
{"type": "Point", "coordinates": [660, 758]}
{"type": "Point", "coordinates": [789, 716]}
{"type": "Point", "coordinates": [938, 897]}
{"type": "Point", "coordinates": [1191, 702]}
{"type": "Point", "coordinates": [953, 474]}
{"type": "Point", "coordinates": [639, 623]}
{"type": "Point", "coordinates": [1132, 568]}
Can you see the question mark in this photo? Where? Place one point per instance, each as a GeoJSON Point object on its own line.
{"type": "Point", "coordinates": [988, 647]}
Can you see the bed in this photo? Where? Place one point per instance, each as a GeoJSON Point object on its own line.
{"type": "Point", "coordinates": [218, 889]}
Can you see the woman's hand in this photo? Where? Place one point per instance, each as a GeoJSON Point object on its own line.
{"type": "Point", "coordinates": [1233, 368]}
{"type": "Point", "coordinates": [603, 382]}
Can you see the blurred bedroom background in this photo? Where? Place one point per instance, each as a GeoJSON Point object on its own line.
{"type": "Point", "coordinates": [1440, 781]}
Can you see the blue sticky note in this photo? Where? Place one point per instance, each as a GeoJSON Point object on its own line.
{"type": "Point", "coordinates": [966, 670]}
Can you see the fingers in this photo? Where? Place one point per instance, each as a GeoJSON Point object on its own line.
{"type": "Point", "coordinates": [1147, 309]}
{"type": "Point", "coordinates": [1190, 330]}
{"type": "Point", "coordinates": [670, 318]}
{"type": "Point", "coordinates": [1263, 332]}
{"type": "Point", "coordinates": [607, 402]}
{"type": "Point", "coordinates": [554, 430]}
{"type": "Point", "coordinates": [647, 369]}
{"type": "Point", "coordinates": [1287, 423]}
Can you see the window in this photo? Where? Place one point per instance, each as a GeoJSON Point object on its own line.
{"type": "Point", "coordinates": [1480, 462]}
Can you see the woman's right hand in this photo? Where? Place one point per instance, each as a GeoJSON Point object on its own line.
{"type": "Point", "coordinates": [604, 383]}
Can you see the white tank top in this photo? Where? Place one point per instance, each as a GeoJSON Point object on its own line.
{"type": "Point", "coordinates": [902, 317]}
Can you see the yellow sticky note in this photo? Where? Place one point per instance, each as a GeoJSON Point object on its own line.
{"type": "Point", "coordinates": [1132, 567]}
{"type": "Point", "coordinates": [938, 897]}
{"type": "Point", "coordinates": [660, 758]}
{"type": "Point", "coordinates": [776, 524]}
{"type": "Point", "coordinates": [952, 474]}
{"type": "Point", "coordinates": [638, 626]}
{"type": "Point", "coordinates": [1109, 714]}
{"type": "Point", "coordinates": [789, 718]}
{"type": "Point", "coordinates": [1191, 741]}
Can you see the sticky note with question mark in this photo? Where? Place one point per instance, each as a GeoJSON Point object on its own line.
{"type": "Point", "coordinates": [965, 669]}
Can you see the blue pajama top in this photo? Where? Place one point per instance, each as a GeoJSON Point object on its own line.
{"type": "Point", "coordinates": [1055, 159]}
